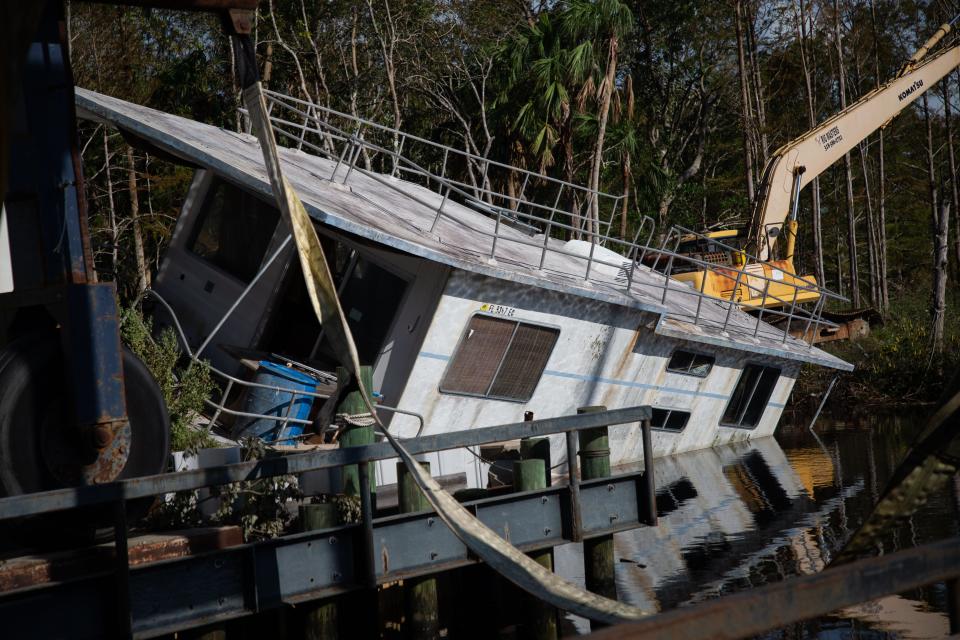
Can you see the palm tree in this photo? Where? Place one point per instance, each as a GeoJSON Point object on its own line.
{"type": "Point", "coordinates": [591, 22]}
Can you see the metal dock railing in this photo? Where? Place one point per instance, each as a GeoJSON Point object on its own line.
{"type": "Point", "coordinates": [150, 600]}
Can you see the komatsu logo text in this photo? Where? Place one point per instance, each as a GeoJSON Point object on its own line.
{"type": "Point", "coordinates": [910, 90]}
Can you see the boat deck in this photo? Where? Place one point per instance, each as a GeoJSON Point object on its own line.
{"type": "Point", "coordinates": [468, 234]}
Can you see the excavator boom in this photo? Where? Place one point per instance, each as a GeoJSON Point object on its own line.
{"type": "Point", "coordinates": [798, 162]}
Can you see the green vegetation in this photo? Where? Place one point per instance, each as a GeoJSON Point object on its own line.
{"type": "Point", "coordinates": [258, 507]}
{"type": "Point", "coordinates": [674, 105]}
{"type": "Point", "coordinates": [184, 387]}
{"type": "Point", "coordinates": [895, 363]}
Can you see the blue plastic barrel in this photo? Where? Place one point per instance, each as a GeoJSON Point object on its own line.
{"type": "Point", "coordinates": [275, 402]}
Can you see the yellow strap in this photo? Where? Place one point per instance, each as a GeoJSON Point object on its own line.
{"type": "Point", "coordinates": [481, 540]}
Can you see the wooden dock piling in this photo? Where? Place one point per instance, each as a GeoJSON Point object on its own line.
{"type": "Point", "coordinates": [539, 618]}
{"type": "Point", "coordinates": [420, 594]}
{"type": "Point", "coordinates": [598, 562]}
{"type": "Point", "coordinates": [537, 449]}
{"type": "Point", "coordinates": [320, 621]}
{"type": "Point", "coordinates": [352, 404]}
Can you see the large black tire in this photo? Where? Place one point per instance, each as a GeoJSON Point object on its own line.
{"type": "Point", "coordinates": [33, 393]}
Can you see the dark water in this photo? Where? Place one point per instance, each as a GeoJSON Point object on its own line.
{"type": "Point", "coordinates": [741, 516]}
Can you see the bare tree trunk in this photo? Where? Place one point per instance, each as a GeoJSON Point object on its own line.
{"type": "Point", "coordinates": [956, 211]}
{"type": "Point", "coordinates": [112, 215]}
{"type": "Point", "coordinates": [948, 117]}
{"type": "Point", "coordinates": [939, 217]}
{"type": "Point", "coordinates": [816, 224]}
{"type": "Point", "coordinates": [143, 272]}
{"type": "Point", "coordinates": [881, 231]}
{"type": "Point", "coordinates": [625, 203]}
{"type": "Point", "coordinates": [626, 158]}
{"type": "Point", "coordinates": [606, 92]}
{"type": "Point", "coordinates": [388, 44]}
{"type": "Point", "coordinates": [871, 226]}
{"type": "Point", "coordinates": [848, 172]}
{"type": "Point", "coordinates": [839, 251]}
{"type": "Point", "coordinates": [745, 104]}
{"type": "Point", "coordinates": [566, 134]}
{"type": "Point", "coordinates": [763, 146]}
{"type": "Point", "coordinates": [938, 310]}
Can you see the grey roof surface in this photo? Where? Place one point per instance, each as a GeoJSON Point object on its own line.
{"type": "Point", "coordinates": [399, 214]}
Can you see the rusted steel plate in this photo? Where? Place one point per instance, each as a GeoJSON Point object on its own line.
{"type": "Point", "coordinates": [753, 612]}
{"type": "Point", "coordinates": [35, 570]}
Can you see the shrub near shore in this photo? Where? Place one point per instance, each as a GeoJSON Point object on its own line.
{"type": "Point", "coordinates": [895, 364]}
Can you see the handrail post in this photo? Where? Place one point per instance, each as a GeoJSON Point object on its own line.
{"type": "Point", "coordinates": [358, 149]}
{"type": "Point", "coordinates": [573, 484]}
{"type": "Point", "coordinates": [546, 240]}
{"type": "Point", "coordinates": [593, 246]}
{"type": "Point", "coordinates": [666, 278]}
{"type": "Point", "coordinates": [443, 203]}
{"type": "Point", "coordinates": [343, 154]}
{"type": "Point", "coordinates": [766, 288]}
{"type": "Point", "coordinates": [732, 302]}
{"type": "Point", "coordinates": [793, 311]}
{"type": "Point", "coordinates": [496, 235]}
{"type": "Point", "coordinates": [814, 316]}
{"type": "Point", "coordinates": [703, 285]}
{"type": "Point", "coordinates": [649, 481]}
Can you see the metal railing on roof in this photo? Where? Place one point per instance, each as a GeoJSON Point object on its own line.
{"type": "Point", "coordinates": [382, 153]}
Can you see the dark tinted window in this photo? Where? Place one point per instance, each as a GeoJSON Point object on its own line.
{"type": "Point", "coordinates": [669, 419]}
{"type": "Point", "coordinates": [750, 396]}
{"type": "Point", "coordinates": [233, 230]}
{"type": "Point", "coordinates": [499, 358]}
{"type": "Point", "coordinates": [691, 364]}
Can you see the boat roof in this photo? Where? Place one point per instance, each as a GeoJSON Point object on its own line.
{"type": "Point", "coordinates": [403, 215]}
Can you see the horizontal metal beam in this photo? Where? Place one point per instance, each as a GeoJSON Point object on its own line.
{"type": "Point", "coordinates": [188, 592]}
{"type": "Point", "coordinates": [60, 499]}
{"type": "Point", "coordinates": [754, 612]}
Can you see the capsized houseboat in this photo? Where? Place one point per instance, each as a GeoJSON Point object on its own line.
{"type": "Point", "coordinates": [469, 308]}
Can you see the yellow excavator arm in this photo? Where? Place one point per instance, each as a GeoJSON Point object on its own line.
{"type": "Point", "coordinates": [798, 162]}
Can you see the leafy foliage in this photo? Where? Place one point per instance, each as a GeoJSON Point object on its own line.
{"type": "Point", "coordinates": [184, 388]}
{"type": "Point", "coordinates": [895, 362]}
{"type": "Point", "coordinates": [258, 507]}
{"type": "Point", "coordinates": [517, 82]}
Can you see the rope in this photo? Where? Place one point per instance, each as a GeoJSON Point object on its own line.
{"type": "Point", "coordinates": [499, 554]}
{"type": "Point", "coordinates": [354, 420]}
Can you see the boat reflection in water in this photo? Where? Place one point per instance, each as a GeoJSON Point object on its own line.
{"type": "Point", "coordinates": [742, 515]}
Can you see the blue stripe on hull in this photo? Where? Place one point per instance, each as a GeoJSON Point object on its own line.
{"type": "Point", "coordinates": [615, 381]}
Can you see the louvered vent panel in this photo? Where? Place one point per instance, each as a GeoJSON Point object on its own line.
{"type": "Point", "coordinates": [525, 362]}
{"type": "Point", "coordinates": [475, 363]}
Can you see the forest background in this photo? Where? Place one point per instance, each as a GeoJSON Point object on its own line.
{"type": "Point", "coordinates": [674, 104]}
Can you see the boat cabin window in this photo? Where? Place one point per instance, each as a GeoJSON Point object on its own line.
{"type": "Point", "coordinates": [669, 419]}
{"type": "Point", "coordinates": [499, 358]}
{"type": "Point", "coordinates": [233, 230]}
{"type": "Point", "coordinates": [689, 363]}
{"type": "Point", "coordinates": [750, 396]}
{"type": "Point", "coordinates": [369, 294]}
